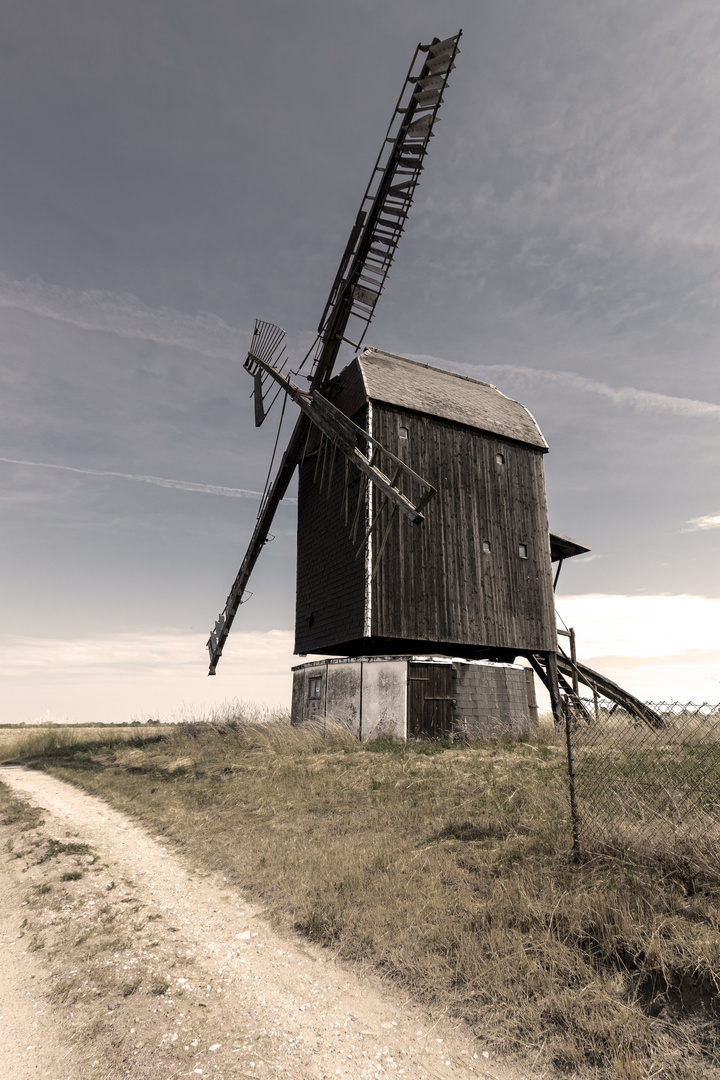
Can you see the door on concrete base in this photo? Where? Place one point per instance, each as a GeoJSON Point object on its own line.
{"type": "Point", "coordinates": [430, 701]}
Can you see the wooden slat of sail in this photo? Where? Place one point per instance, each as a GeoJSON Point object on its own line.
{"type": "Point", "coordinates": [389, 194]}
{"type": "Point", "coordinates": [345, 435]}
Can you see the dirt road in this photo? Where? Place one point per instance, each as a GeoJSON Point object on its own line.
{"type": "Point", "coordinates": [147, 968]}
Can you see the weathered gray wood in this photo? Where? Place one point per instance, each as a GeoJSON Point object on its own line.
{"type": "Point", "coordinates": [437, 589]}
{"type": "Point", "coordinates": [609, 689]}
{"type": "Point", "coordinates": [553, 686]}
{"type": "Point", "coordinates": [441, 586]}
{"type": "Point", "coordinates": [408, 384]}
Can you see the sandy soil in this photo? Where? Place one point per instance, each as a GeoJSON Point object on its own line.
{"type": "Point", "coordinates": [31, 1045]}
{"type": "Point", "coordinates": [186, 977]}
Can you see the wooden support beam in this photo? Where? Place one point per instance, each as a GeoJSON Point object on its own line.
{"type": "Point", "coordinates": [344, 434]}
{"type": "Point", "coordinates": [554, 687]}
{"type": "Point", "coordinates": [573, 660]}
{"type": "Point", "coordinates": [573, 697]}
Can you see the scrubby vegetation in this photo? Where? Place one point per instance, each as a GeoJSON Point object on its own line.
{"type": "Point", "coordinates": [447, 868]}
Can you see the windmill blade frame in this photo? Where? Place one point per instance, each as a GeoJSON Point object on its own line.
{"type": "Point", "coordinates": [360, 277]}
{"type": "Point", "coordinates": [268, 344]}
{"type": "Point", "coordinates": [385, 205]}
{"type": "Point", "coordinates": [345, 434]}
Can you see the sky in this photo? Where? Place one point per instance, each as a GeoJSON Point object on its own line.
{"type": "Point", "coordinates": [173, 170]}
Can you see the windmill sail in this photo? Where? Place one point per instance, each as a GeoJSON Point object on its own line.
{"type": "Point", "coordinates": [345, 435]}
{"type": "Point", "coordinates": [267, 343]}
{"type": "Point", "coordinates": [360, 278]}
{"type": "Point", "coordinates": [386, 202]}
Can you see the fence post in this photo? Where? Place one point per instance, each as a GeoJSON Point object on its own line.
{"type": "Point", "coordinates": [571, 784]}
{"type": "Point", "coordinates": [573, 659]}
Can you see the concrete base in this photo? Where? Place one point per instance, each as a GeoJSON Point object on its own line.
{"type": "Point", "coordinates": [370, 696]}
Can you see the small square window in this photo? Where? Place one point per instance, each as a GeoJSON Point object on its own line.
{"type": "Point", "coordinates": [486, 545]}
{"type": "Point", "coordinates": [523, 551]}
{"type": "Point", "coordinates": [315, 688]}
{"type": "Point", "coordinates": [403, 432]}
{"type": "Point", "coordinates": [500, 459]}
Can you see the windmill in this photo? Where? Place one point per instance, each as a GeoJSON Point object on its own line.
{"type": "Point", "coordinates": [349, 309]}
{"type": "Point", "coordinates": [422, 513]}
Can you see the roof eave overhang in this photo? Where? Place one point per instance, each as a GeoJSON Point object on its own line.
{"type": "Point", "coordinates": [564, 547]}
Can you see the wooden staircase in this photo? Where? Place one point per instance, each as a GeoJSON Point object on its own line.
{"type": "Point", "coordinates": [571, 672]}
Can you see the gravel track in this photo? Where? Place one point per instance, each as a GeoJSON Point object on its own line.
{"type": "Point", "coordinates": [231, 997]}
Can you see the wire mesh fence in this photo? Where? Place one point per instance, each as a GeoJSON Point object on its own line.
{"type": "Point", "coordinates": [651, 788]}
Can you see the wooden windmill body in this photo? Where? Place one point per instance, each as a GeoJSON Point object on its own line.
{"type": "Point", "coordinates": [474, 579]}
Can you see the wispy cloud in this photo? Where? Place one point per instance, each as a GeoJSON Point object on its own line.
{"type": "Point", "coordinates": [124, 315]}
{"type": "Point", "coordinates": [160, 481]}
{"type": "Point", "coordinates": [642, 400]}
{"type": "Point", "coordinates": [707, 521]}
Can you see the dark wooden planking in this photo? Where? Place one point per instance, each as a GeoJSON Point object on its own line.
{"type": "Point", "coordinates": [430, 700]}
{"type": "Point", "coordinates": [417, 681]}
{"type": "Point", "coordinates": [330, 590]}
{"type": "Point", "coordinates": [453, 591]}
{"type": "Point", "coordinates": [435, 588]}
{"type": "Point", "coordinates": [347, 391]}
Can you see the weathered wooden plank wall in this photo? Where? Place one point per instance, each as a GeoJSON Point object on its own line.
{"type": "Point", "coordinates": [436, 582]}
{"type": "Point", "coordinates": [436, 585]}
{"type": "Point", "coordinates": [330, 596]}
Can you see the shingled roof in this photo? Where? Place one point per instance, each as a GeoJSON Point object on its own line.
{"type": "Point", "coordinates": [395, 380]}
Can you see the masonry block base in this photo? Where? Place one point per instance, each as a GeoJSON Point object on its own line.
{"type": "Point", "coordinates": [381, 696]}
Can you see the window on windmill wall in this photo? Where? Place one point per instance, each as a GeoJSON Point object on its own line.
{"type": "Point", "coordinates": [522, 551]}
{"type": "Point", "coordinates": [500, 459]}
{"type": "Point", "coordinates": [486, 545]}
{"type": "Point", "coordinates": [315, 688]}
{"type": "Point", "coordinates": [403, 432]}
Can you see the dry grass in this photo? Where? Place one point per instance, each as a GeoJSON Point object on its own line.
{"type": "Point", "coordinates": [446, 868]}
{"type": "Point", "coordinates": [19, 744]}
{"type": "Point", "coordinates": [653, 791]}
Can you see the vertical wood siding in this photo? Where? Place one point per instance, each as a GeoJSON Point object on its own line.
{"type": "Point", "coordinates": [430, 701]}
{"type": "Point", "coordinates": [435, 582]}
{"type": "Point", "coordinates": [330, 591]}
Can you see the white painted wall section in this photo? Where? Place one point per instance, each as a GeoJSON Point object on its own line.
{"type": "Point", "coordinates": [384, 699]}
{"type": "Point", "coordinates": [343, 694]}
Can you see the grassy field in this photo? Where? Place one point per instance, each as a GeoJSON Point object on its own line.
{"type": "Point", "coordinates": [651, 790]}
{"type": "Point", "coordinates": [447, 869]}
{"type": "Point", "coordinates": [27, 742]}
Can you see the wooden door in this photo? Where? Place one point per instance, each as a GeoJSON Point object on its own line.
{"type": "Point", "coordinates": [430, 701]}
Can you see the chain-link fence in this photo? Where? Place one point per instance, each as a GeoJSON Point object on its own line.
{"type": "Point", "coordinates": [650, 788]}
